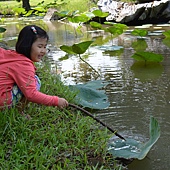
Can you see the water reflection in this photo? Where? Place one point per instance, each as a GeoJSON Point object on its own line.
{"type": "Point", "coordinates": [147, 71]}
{"type": "Point", "coordinates": [135, 92]}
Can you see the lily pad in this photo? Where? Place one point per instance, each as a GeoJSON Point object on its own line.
{"type": "Point", "coordinates": [96, 25]}
{"type": "Point", "coordinates": [166, 41]}
{"type": "Point", "coordinates": [79, 48]}
{"type": "Point", "coordinates": [147, 56]}
{"type": "Point", "coordinates": [132, 149]}
{"type": "Point", "coordinates": [99, 13]}
{"type": "Point", "coordinates": [139, 45]}
{"type": "Point", "coordinates": [139, 32]}
{"type": "Point", "coordinates": [167, 34]}
{"type": "Point", "coordinates": [89, 95]}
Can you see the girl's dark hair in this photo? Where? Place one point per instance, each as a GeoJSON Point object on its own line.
{"type": "Point", "coordinates": [27, 37]}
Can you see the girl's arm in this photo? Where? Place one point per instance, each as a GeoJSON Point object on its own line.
{"type": "Point", "coordinates": [25, 79]}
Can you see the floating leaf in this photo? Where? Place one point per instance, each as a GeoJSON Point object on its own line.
{"type": "Point", "coordinates": [100, 13]}
{"type": "Point", "coordinates": [83, 17]}
{"type": "Point", "coordinates": [79, 18]}
{"type": "Point", "coordinates": [75, 12]}
{"type": "Point", "coordinates": [96, 25]}
{"type": "Point", "coordinates": [68, 14]}
{"type": "Point", "coordinates": [89, 95]}
{"type": "Point", "coordinates": [89, 14]}
{"type": "Point", "coordinates": [139, 32]}
{"type": "Point", "coordinates": [121, 26]}
{"type": "Point", "coordinates": [147, 56]}
{"type": "Point", "coordinates": [139, 45]}
{"type": "Point", "coordinates": [167, 33]}
{"type": "Point", "coordinates": [81, 48]}
{"type": "Point", "coordinates": [134, 149]}
{"type": "Point", "coordinates": [166, 41]}
{"type": "Point", "coordinates": [63, 13]}
{"type": "Point", "coordinates": [113, 30]}
{"type": "Point", "coordinates": [109, 23]}
{"type": "Point", "coordinates": [116, 29]}
{"type": "Point", "coordinates": [67, 49]}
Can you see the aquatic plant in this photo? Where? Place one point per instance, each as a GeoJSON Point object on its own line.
{"type": "Point", "coordinates": [147, 56]}
{"type": "Point", "coordinates": [78, 48]}
{"type": "Point", "coordinates": [166, 40]}
{"type": "Point", "coordinates": [131, 148]}
{"type": "Point", "coordinates": [116, 29]}
{"type": "Point", "coordinates": [91, 94]}
{"type": "Point", "coordinates": [166, 34]}
{"type": "Point", "coordinates": [100, 14]}
{"type": "Point", "coordinates": [76, 17]}
{"type": "Point", "coordinates": [96, 25]}
{"type": "Point", "coordinates": [139, 45]}
{"type": "Point", "coordinates": [139, 32]}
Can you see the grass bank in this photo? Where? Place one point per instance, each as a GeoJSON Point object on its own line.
{"type": "Point", "coordinates": [53, 139]}
{"type": "Point", "coordinates": [6, 7]}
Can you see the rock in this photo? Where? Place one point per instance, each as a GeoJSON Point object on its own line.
{"type": "Point", "coordinates": [145, 1]}
{"type": "Point", "coordinates": [51, 15]}
{"type": "Point", "coordinates": [136, 14]}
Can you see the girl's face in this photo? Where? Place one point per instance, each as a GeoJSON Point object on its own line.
{"type": "Point", "coordinates": [38, 49]}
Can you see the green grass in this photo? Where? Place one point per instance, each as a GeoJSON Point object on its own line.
{"type": "Point", "coordinates": [53, 139]}
{"type": "Point", "coordinates": [6, 7]}
{"type": "Point", "coordinates": [80, 5]}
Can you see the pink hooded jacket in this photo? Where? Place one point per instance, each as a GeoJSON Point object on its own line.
{"type": "Point", "coordinates": [16, 68]}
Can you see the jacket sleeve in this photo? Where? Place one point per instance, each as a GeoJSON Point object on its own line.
{"type": "Point", "coordinates": [23, 74]}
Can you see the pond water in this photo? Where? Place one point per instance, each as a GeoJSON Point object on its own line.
{"type": "Point", "coordinates": [135, 91]}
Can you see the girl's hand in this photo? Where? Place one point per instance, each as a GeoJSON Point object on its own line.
{"type": "Point", "coordinates": [62, 103]}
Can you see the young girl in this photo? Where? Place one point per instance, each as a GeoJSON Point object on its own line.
{"type": "Point", "coordinates": [17, 70]}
